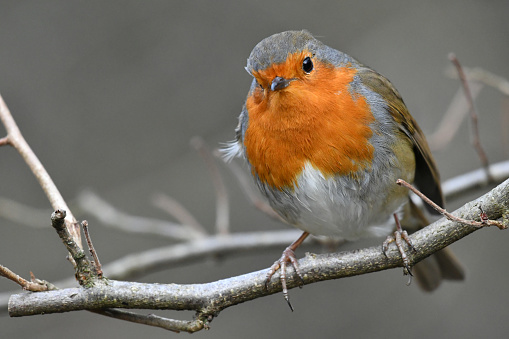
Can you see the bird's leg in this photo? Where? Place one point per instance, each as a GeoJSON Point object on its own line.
{"type": "Point", "coordinates": [288, 256]}
{"type": "Point", "coordinates": [398, 237]}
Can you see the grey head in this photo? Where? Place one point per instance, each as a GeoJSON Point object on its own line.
{"type": "Point", "coordinates": [276, 48]}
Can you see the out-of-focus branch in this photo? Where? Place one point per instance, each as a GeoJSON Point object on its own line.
{"type": "Point", "coordinates": [482, 76]}
{"type": "Point", "coordinates": [16, 140]}
{"type": "Point", "coordinates": [451, 121]}
{"type": "Point", "coordinates": [108, 215]}
{"type": "Point", "coordinates": [243, 181]}
{"type": "Point", "coordinates": [471, 181]}
{"type": "Point", "coordinates": [476, 141]}
{"type": "Point", "coordinates": [179, 212]}
{"type": "Point", "coordinates": [222, 203]}
{"type": "Point", "coordinates": [24, 214]}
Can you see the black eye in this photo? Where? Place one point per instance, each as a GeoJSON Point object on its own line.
{"type": "Point", "coordinates": [307, 65]}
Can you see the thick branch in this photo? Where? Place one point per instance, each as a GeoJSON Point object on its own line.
{"type": "Point", "coordinates": [211, 298]}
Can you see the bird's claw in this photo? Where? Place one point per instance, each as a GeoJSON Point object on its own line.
{"type": "Point", "coordinates": [399, 236]}
{"type": "Point", "coordinates": [288, 256]}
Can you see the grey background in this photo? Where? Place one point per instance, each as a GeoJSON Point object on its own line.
{"type": "Point", "coordinates": [110, 93]}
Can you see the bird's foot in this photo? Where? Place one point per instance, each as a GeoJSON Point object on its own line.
{"type": "Point", "coordinates": [288, 257]}
{"type": "Point", "coordinates": [399, 236]}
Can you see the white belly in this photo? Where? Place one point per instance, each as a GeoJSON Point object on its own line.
{"type": "Point", "coordinates": [341, 206]}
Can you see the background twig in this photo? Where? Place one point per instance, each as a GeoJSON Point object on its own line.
{"type": "Point", "coordinates": [476, 141]}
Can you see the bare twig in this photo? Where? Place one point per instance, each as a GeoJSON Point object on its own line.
{"type": "Point", "coordinates": [473, 115]}
{"type": "Point", "coordinates": [154, 320]}
{"type": "Point", "coordinates": [179, 212]}
{"type": "Point", "coordinates": [4, 141]}
{"type": "Point", "coordinates": [34, 285]}
{"type": "Point", "coordinates": [97, 263]}
{"type": "Point", "coordinates": [15, 139]}
{"type": "Point", "coordinates": [222, 204]}
{"type": "Point", "coordinates": [483, 223]}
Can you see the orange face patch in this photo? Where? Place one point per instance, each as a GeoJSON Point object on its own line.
{"type": "Point", "coordinates": [314, 119]}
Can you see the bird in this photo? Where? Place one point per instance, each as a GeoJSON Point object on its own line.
{"type": "Point", "coordinates": [325, 139]}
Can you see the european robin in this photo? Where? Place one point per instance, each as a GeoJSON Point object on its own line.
{"type": "Point", "coordinates": [326, 138]}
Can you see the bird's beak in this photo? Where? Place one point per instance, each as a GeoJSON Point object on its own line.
{"type": "Point", "coordinates": [279, 83]}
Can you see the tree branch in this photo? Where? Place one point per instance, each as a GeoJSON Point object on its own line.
{"type": "Point", "coordinates": [210, 298]}
{"type": "Point", "coordinates": [16, 139]}
{"type": "Point", "coordinates": [34, 285]}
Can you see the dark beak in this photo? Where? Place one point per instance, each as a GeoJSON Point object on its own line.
{"type": "Point", "coordinates": [279, 83]}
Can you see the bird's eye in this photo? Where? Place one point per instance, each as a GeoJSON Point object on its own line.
{"type": "Point", "coordinates": [307, 65]}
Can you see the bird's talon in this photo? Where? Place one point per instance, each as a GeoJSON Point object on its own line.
{"type": "Point", "coordinates": [385, 245]}
{"type": "Point", "coordinates": [399, 237]}
{"type": "Point", "coordinates": [407, 270]}
{"type": "Point", "coordinates": [288, 256]}
{"type": "Point", "coordinates": [289, 303]}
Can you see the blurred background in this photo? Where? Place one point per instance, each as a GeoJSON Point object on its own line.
{"type": "Point", "coordinates": [109, 95]}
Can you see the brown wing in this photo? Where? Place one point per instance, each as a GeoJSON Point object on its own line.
{"type": "Point", "coordinates": [427, 178]}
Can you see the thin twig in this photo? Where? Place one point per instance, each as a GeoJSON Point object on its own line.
{"type": "Point", "coordinates": [16, 139]}
{"type": "Point", "coordinates": [154, 320]}
{"type": "Point", "coordinates": [473, 115]}
{"type": "Point", "coordinates": [222, 204]}
{"type": "Point", "coordinates": [179, 212]}
{"type": "Point", "coordinates": [483, 223]}
{"type": "Point", "coordinates": [97, 263]}
{"type": "Point", "coordinates": [33, 285]}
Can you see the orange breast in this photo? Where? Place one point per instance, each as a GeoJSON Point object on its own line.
{"type": "Point", "coordinates": [315, 119]}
